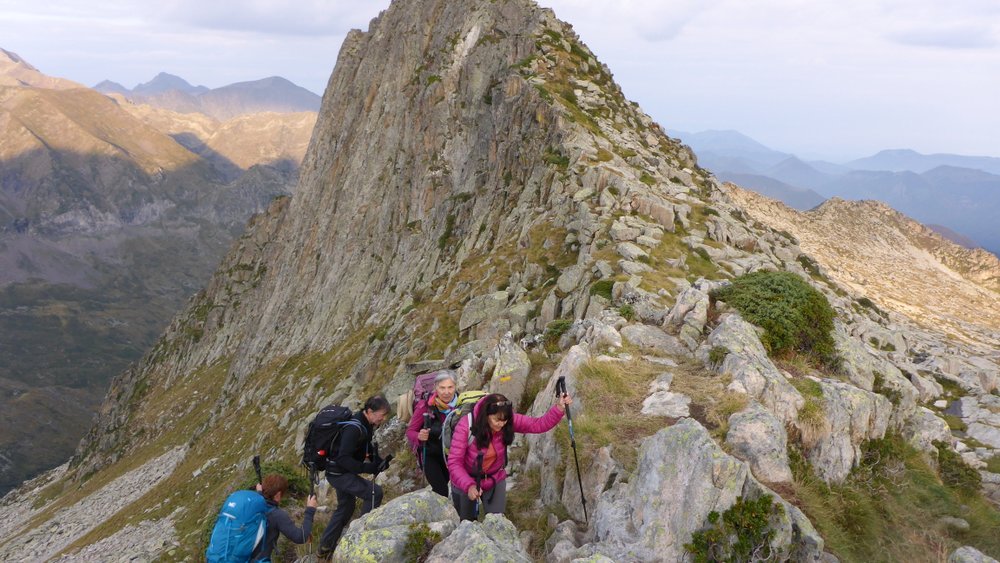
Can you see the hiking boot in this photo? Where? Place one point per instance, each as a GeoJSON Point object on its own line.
{"type": "Point", "coordinates": [324, 555]}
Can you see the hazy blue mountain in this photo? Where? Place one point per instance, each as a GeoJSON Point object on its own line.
{"type": "Point", "coordinates": [110, 87]}
{"type": "Point", "coordinates": [898, 160]}
{"type": "Point", "coordinates": [268, 94]}
{"type": "Point", "coordinates": [795, 197]}
{"type": "Point", "coordinates": [717, 146]}
{"type": "Point", "coordinates": [176, 94]}
{"type": "Point", "coordinates": [165, 82]}
{"type": "Point", "coordinates": [796, 172]}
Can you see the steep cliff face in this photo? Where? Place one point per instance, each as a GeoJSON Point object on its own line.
{"type": "Point", "coordinates": [477, 188]}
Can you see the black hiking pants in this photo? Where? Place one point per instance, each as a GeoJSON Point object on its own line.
{"type": "Point", "coordinates": [349, 487]}
{"type": "Point", "coordinates": [437, 473]}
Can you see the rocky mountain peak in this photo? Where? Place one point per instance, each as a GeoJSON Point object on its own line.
{"type": "Point", "coordinates": [165, 82]}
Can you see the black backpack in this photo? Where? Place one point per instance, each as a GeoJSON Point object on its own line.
{"type": "Point", "coordinates": [324, 430]}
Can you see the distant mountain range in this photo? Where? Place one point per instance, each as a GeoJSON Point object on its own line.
{"type": "Point", "coordinates": [959, 194]}
{"type": "Point", "coordinates": [172, 92]}
{"type": "Point", "coordinates": [111, 214]}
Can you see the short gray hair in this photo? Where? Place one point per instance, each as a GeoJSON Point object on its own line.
{"type": "Point", "coordinates": [446, 374]}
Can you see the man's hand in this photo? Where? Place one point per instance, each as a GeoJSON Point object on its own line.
{"type": "Point", "coordinates": [384, 464]}
{"type": "Point", "coordinates": [311, 502]}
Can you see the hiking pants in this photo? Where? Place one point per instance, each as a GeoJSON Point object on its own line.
{"type": "Point", "coordinates": [349, 487]}
{"type": "Point", "coordinates": [437, 473]}
{"type": "Point", "coordinates": [493, 501]}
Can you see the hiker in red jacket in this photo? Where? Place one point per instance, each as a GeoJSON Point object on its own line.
{"type": "Point", "coordinates": [426, 442]}
{"type": "Point", "coordinates": [477, 465]}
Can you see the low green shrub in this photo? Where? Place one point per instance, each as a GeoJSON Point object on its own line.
{"type": "Point", "coordinates": [954, 472]}
{"type": "Point", "coordinates": [795, 316]}
{"type": "Point", "coordinates": [602, 288]}
{"type": "Point", "coordinates": [627, 312]}
{"type": "Point", "coordinates": [717, 354]}
{"type": "Point", "coordinates": [741, 533]}
{"type": "Point", "coordinates": [420, 543]}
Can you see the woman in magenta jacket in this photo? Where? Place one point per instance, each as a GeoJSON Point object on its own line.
{"type": "Point", "coordinates": [426, 442]}
{"type": "Point", "coordinates": [478, 465]}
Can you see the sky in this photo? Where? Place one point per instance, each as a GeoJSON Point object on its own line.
{"type": "Point", "coordinates": [833, 79]}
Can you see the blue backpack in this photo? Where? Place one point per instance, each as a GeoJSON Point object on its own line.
{"type": "Point", "coordinates": [240, 527]}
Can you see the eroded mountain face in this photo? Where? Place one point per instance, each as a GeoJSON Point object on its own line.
{"type": "Point", "coordinates": [478, 193]}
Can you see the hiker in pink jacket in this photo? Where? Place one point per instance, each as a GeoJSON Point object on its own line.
{"type": "Point", "coordinates": [426, 442]}
{"type": "Point", "coordinates": [477, 464]}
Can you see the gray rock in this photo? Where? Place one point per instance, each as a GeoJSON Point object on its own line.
{"type": "Point", "coordinates": [562, 544]}
{"type": "Point", "coordinates": [571, 277]}
{"type": "Point", "coordinates": [483, 307]}
{"type": "Point", "coordinates": [927, 389]}
{"type": "Point", "coordinates": [661, 402]}
{"type": "Point", "coordinates": [648, 242]}
{"type": "Point", "coordinates": [653, 339]}
{"type": "Point", "coordinates": [550, 309]}
{"type": "Point", "coordinates": [968, 554]}
{"type": "Point", "coordinates": [757, 437]}
{"type": "Point", "coordinates": [601, 336]}
{"type": "Point", "coordinates": [381, 535]}
{"type": "Point", "coordinates": [850, 416]}
{"type": "Point", "coordinates": [752, 372]}
{"type": "Point", "coordinates": [598, 473]}
{"type": "Point", "coordinates": [544, 451]}
{"type": "Point", "coordinates": [953, 523]}
{"type": "Point", "coordinates": [511, 372]}
{"type": "Point", "coordinates": [620, 232]}
{"type": "Point", "coordinates": [668, 497]}
{"type": "Point", "coordinates": [629, 251]}
{"type": "Point", "coordinates": [633, 268]}
{"type": "Point", "coordinates": [923, 428]}
{"type": "Point", "coordinates": [495, 539]}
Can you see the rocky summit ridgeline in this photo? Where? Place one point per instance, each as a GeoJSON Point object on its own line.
{"type": "Point", "coordinates": [478, 193]}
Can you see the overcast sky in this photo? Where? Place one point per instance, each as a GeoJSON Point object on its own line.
{"type": "Point", "coordinates": [832, 78]}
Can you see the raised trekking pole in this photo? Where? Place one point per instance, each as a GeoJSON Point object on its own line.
{"type": "Point", "coordinates": [256, 467]}
{"type": "Point", "coordinates": [561, 392]}
{"type": "Point", "coordinates": [427, 426]}
{"type": "Point", "coordinates": [479, 480]}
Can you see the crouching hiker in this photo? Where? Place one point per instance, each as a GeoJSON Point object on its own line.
{"type": "Point", "coordinates": [355, 454]}
{"type": "Point", "coordinates": [478, 454]}
{"type": "Point", "coordinates": [273, 489]}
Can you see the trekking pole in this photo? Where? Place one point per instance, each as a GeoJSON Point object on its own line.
{"type": "Point", "coordinates": [256, 467]}
{"type": "Point", "coordinates": [312, 479]}
{"type": "Point", "coordinates": [561, 392]}
{"type": "Point", "coordinates": [427, 425]}
{"type": "Point", "coordinates": [479, 481]}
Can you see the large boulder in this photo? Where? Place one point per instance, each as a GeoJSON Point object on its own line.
{"type": "Point", "coordinates": [511, 372]}
{"type": "Point", "coordinates": [850, 416]}
{"type": "Point", "coordinates": [873, 373]}
{"type": "Point", "coordinates": [494, 539]}
{"type": "Point", "coordinates": [752, 372]}
{"type": "Point", "coordinates": [382, 534]}
{"type": "Point", "coordinates": [653, 339]}
{"type": "Point", "coordinates": [689, 314]}
{"type": "Point", "coordinates": [681, 476]}
{"type": "Point", "coordinates": [598, 473]}
{"type": "Point", "coordinates": [757, 437]}
{"type": "Point", "coordinates": [544, 452]}
{"type": "Point", "coordinates": [924, 428]}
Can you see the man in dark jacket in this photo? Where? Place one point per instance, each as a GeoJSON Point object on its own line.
{"type": "Point", "coordinates": [356, 454]}
{"type": "Point", "coordinates": [273, 489]}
